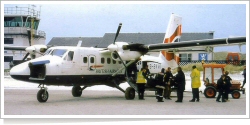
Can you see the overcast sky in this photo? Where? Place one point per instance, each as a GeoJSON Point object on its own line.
{"type": "Point", "coordinates": [81, 19]}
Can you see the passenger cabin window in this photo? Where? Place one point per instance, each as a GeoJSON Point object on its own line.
{"type": "Point", "coordinates": [108, 60]}
{"type": "Point", "coordinates": [102, 60]}
{"type": "Point", "coordinates": [92, 59]}
{"type": "Point", "coordinates": [114, 62]}
{"type": "Point", "coordinates": [85, 59]}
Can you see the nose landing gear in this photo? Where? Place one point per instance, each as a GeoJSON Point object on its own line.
{"type": "Point", "coordinates": [42, 94]}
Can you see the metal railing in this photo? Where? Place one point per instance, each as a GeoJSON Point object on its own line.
{"type": "Point", "coordinates": [22, 11]}
{"type": "Point", "coordinates": [22, 31]}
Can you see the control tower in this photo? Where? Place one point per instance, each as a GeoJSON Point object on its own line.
{"type": "Point", "coordinates": [21, 29]}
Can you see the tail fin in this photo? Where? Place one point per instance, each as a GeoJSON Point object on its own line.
{"type": "Point", "coordinates": [173, 34]}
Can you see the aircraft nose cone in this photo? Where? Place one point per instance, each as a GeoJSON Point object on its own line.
{"type": "Point", "coordinates": [19, 71]}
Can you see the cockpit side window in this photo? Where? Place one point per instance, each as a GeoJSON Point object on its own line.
{"type": "Point", "coordinates": [70, 56]}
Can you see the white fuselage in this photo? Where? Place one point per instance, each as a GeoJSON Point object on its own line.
{"type": "Point", "coordinates": [77, 64]}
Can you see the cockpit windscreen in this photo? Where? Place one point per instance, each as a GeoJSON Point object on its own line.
{"type": "Point", "coordinates": [56, 52]}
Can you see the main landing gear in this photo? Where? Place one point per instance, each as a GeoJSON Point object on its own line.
{"type": "Point", "coordinates": [77, 91]}
{"type": "Point", "coordinates": [42, 94]}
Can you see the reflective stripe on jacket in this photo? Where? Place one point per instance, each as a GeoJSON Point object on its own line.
{"type": "Point", "coordinates": [140, 78]}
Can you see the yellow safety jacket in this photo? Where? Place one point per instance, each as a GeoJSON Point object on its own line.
{"type": "Point", "coordinates": [140, 78]}
{"type": "Point", "coordinates": [195, 77]}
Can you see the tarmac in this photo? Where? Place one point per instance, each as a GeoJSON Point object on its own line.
{"type": "Point", "coordinates": [22, 103]}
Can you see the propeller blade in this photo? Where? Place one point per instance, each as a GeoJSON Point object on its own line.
{"type": "Point", "coordinates": [27, 54]}
{"type": "Point", "coordinates": [117, 32]}
{"type": "Point", "coordinates": [29, 37]}
{"type": "Point", "coordinates": [122, 62]}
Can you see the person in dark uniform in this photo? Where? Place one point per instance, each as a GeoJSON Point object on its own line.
{"type": "Point", "coordinates": [160, 85]}
{"type": "Point", "coordinates": [146, 75]}
{"type": "Point", "coordinates": [180, 82]}
{"type": "Point", "coordinates": [221, 86]}
{"type": "Point", "coordinates": [167, 79]}
{"type": "Point", "coordinates": [147, 70]}
{"type": "Point", "coordinates": [132, 71]}
{"type": "Point", "coordinates": [228, 85]}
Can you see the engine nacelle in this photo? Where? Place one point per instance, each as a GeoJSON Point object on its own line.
{"type": "Point", "coordinates": [36, 48]}
{"type": "Point", "coordinates": [126, 55]}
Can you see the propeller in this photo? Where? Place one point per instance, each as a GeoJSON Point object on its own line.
{"type": "Point", "coordinates": [32, 50]}
{"type": "Point", "coordinates": [115, 51]}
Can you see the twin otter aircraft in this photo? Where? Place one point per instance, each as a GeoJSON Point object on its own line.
{"type": "Point", "coordinates": [83, 67]}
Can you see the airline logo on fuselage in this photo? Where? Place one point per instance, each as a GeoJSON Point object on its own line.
{"type": "Point", "coordinates": [104, 71]}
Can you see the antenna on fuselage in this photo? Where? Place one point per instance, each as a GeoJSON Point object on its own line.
{"type": "Point", "coordinates": [79, 43]}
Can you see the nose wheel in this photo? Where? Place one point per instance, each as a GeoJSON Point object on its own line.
{"type": "Point", "coordinates": [42, 94]}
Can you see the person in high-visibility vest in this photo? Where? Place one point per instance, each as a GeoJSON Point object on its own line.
{"type": "Point", "coordinates": [141, 81]}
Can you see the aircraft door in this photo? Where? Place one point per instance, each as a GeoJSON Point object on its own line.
{"type": "Point", "coordinates": [68, 63]}
{"type": "Point", "coordinates": [92, 62]}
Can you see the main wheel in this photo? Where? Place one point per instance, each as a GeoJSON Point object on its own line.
{"type": "Point", "coordinates": [210, 92]}
{"type": "Point", "coordinates": [236, 94]}
{"type": "Point", "coordinates": [76, 91]}
{"type": "Point", "coordinates": [130, 93]}
{"type": "Point", "coordinates": [42, 96]}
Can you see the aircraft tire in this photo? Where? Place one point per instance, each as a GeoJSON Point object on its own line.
{"type": "Point", "coordinates": [130, 93]}
{"type": "Point", "coordinates": [41, 96]}
{"type": "Point", "coordinates": [76, 91]}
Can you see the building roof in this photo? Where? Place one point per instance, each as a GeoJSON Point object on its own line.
{"type": "Point", "coordinates": [108, 38]}
{"type": "Point", "coordinates": [72, 41]}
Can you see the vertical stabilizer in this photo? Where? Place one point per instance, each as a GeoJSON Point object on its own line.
{"type": "Point", "coordinates": [173, 34]}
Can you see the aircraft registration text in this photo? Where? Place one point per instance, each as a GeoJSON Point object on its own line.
{"type": "Point", "coordinates": [107, 71]}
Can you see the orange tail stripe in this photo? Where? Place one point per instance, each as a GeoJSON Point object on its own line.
{"type": "Point", "coordinates": [176, 33]}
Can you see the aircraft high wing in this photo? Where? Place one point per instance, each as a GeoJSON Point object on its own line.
{"type": "Point", "coordinates": [84, 66]}
{"type": "Point", "coordinates": [197, 43]}
{"type": "Point", "coordinates": [19, 48]}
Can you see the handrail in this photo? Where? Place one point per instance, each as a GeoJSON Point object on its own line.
{"type": "Point", "coordinates": [22, 11]}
